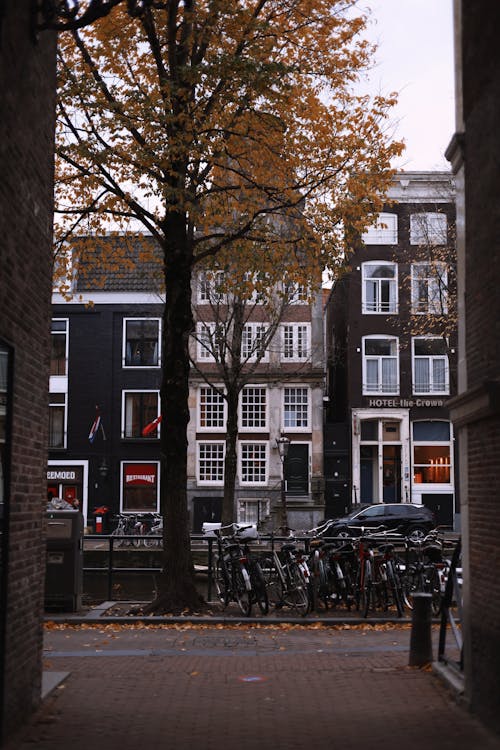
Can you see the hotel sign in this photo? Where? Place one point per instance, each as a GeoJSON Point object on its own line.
{"type": "Point", "coordinates": [404, 403]}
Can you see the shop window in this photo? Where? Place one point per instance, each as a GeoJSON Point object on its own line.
{"type": "Point", "coordinates": [430, 365]}
{"type": "Point", "coordinates": [380, 287]}
{"type": "Point", "coordinates": [140, 409]}
{"type": "Point", "coordinates": [57, 420]}
{"type": "Point", "coordinates": [141, 342]}
{"type": "Point", "coordinates": [59, 347]}
{"type": "Point", "coordinates": [432, 452]}
{"type": "Point", "coordinates": [140, 487]}
{"type": "Point", "coordinates": [380, 365]}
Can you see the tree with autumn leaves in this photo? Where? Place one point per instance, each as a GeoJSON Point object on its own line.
{"type": "Point", "coordinates": [217, 126]}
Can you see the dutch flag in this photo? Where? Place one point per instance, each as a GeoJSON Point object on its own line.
{"type": "Point", "coordinates": [96, 425]}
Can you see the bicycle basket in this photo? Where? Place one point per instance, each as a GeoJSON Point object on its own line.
{"type": "Point", "coordinates": [247, 533]}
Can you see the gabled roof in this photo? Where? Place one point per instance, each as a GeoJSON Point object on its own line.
{"type": "Point", "coordinates": [117, 263]}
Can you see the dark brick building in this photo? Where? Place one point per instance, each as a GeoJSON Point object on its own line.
{"type": "Point", "coordinates": [27, 91]}
{"type": "Point", "coordinates": [391, 333]}
{"type": "Point", "coordinates": [474, 155]}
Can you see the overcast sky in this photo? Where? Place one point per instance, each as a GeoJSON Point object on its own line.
{"type": "Point", "coordinates": [415, 58]}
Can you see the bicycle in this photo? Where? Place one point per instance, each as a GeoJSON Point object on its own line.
{"type": "Point", "coordinates": [233, 580]}
{"type": "Point", "coordinates": [378, 584]}
{"type": "Point", "coordinates": [287, 577]}
{"type": "Point", "coordinates": [424, 571]}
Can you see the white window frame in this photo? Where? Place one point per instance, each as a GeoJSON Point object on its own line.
{"type": "Point", "coordinates": [251, 332]}
{"type": "Point", "coordinates": [262, 506]}
{"type": "Point", "coordinates": [295, 342]}
{"type": "Point", "coordinates": [428, 227]}
{"type": "Point", "coordinates": [124, 344]}
{"type": "Point", "coordinates": [287, 423]}
{"type": "Point", "coordinates": [380, 358]}
{"type": "Point", "coordinates": [378, 305]}
{"type": "Point", "coordinates": [296, 293]}
{"type": "Point", "coordinates": [436, 287]}
{"type": "Point", "coordinates": [383, 232]}
{"type": "Point", "coordinates": [244, 392]}
{"type": "Point", "coordinates": [205, 331]}
{"type": "Point", "coordinates": [206, 288]}
{"type": "Point", "coordinates": [431, 358]}
{"type": "Point", "coordinates": [263, 447]}
{"type": "Point", "coordinates": [220, 445]}
{"type": "Point", "coordinates": [221, 402]}
{"type": "Point", "coordinates": [64, 406]}
{"type": "Point", "coordinates": [125, 392]}
{"type": "Point", "coordinates": [64, 333]}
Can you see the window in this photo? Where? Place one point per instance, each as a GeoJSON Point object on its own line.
{"type": "Point", "coordinates": [210, 287]}
{"type": "Point", "coordinates": [140, 487]}
{"type": "Point", "coordinates": [428, 228]}
{"type": "Point", "coordinates": [296, 408]}
{"type": "Point", "coordinates": [253, 342]}
{"type": "Point", "coordinates": [383, 232]}
{"type": "Point", "coordinates": [57, 420]}
{"type": "Point", "coordinates": [380, 287]}
{"type": "Point", "coordinates": [141, 342]}
{"type": "Point", "coordinates": [430, 365]}
{"type": "Point", "coordinates": [140, 408]}
{"type": "Point", "coordinates": [59, 347]}
{"type": "Point", "coordinates": [429, 288]}
{"type": "Point", "coordinates": [254, 408]}
{"type": "Point", "coordinates": [432, 452]}
{"type": "Point", "coordinates": [253, 511]}
{"type": "Point", "coordinates": [211, 463]}
{"type": "Point", "coordinates": [210, 339]}
{"type": "Point", "coordinates": [380, 365]}
{"type": "Point", "coordinates": [211, 409]}
{"type": "Point", "coordinates": [296, 293]}
{"type": "Point", "coordinates": [296, 342]}
{"type": "Point", "coordinates": [253, 463]}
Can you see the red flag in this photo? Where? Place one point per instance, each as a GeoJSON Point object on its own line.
{"type": "Point", "coordinates": [151, 426]}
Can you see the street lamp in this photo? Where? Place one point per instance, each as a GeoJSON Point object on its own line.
{"type": "Point", "coordinates": [283, 444]}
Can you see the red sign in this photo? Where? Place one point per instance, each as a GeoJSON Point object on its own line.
{"type": "Point", "coordinates": [141, 474]}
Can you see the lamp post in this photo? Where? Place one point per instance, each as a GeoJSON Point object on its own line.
{"type": "Point", "coordinates": [283, 444]}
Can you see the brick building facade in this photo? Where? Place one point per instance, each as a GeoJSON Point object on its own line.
{"type": "Point", "coordinates": [27, 86]}
{"type": "Point", "coordinates": [473, 153]}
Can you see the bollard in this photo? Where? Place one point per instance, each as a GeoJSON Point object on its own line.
{"type": "Point", "coordinates": [421, 634]}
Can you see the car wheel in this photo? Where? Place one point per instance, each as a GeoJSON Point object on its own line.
{"type": "Point", "coordinates": [343, 533]}
{"type": "Point", "coordinates": [417, 534]}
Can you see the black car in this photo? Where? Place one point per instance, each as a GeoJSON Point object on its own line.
{"type": "Point", "coordinates": [413, 521]}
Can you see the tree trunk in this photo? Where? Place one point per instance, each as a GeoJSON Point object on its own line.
{"type": "Point", "coordinates": [230, 459]}
{"type": "Point", "coordinates": [177, 590]}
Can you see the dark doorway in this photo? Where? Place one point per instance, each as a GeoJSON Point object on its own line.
{"type": "Point", "coordinates": [297, 469]}
{"type": "Point", "coordinates": [206, 509]}
{"type": "Point", "coordinates": [442, 507]}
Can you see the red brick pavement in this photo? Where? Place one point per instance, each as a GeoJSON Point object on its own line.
{"type": "Point", "coordinates": [245, 688]}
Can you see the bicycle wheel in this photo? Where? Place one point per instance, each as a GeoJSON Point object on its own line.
{"type": "Point", "coordinates": [367, 593]}
{"type": "Point", "coordinates": [243, 590]}
{"type": "Point", "coordinates": [272, 581]}
{"type": "Point", "coordinates": [433, 586]}
{"type": "Point", "coordinates": [295, 591]}
{"type": "Point", "coordinates": [259, 588]}
{"type": "Point", "coordinates": [394, 585]}
{"type": "Point", "coordinates": [221, 583]}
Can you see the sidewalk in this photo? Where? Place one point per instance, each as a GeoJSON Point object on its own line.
{"type": "Point", "coordinates": [267, 686]}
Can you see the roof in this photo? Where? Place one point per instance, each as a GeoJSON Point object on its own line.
{"type": "Point", "coordinates": [117, 263]}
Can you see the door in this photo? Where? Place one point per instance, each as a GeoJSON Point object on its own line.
{"type": "Point", "coordinates": [206, 509]}
{"type": "Point", "coordinates": [391, 474]}
{"type": "Point", "coordinates": [296, 469]}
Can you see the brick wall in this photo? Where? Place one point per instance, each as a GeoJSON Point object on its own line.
{"type": "Point", "coordinates": [27, 86]}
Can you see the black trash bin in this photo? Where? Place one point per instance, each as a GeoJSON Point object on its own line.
{"type": "Point", "coordinates": [64, 569]}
